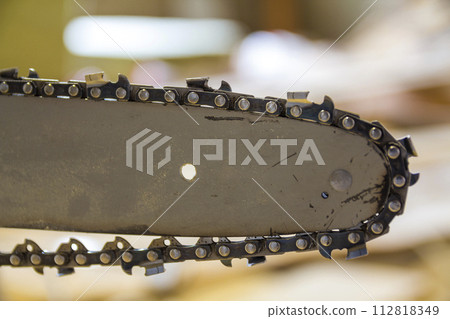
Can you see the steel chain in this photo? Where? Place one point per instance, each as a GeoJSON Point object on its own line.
{"type": "Point", "coordinates": [198, 93]}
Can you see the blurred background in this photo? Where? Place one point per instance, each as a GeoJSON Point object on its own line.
{"type": "Point", "coordinates": [393, 65]}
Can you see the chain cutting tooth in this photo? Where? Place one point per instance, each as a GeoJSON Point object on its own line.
{"type": "Point", "coordinates": [155, 269]}
{"type": "Point", "coordinates": [224, 86]}
{"type": "Point", "coordinates": [252, 261]}
{"type": "Point", "coordinates": [356, 251]}
{"type": "Point", "coordinates": [65, 271]}
{"type": "Point", "coordinates": [32, 74]}
{"type": "Point", "coordinates": [11, 74]}
{"type": "Point", "coordinates": [226, 262]}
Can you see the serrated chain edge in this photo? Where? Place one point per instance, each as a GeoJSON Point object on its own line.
{"type": "Point", "coordinates": [197, 93]}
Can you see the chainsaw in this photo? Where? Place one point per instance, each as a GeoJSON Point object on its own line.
{"type": "Point", "coordinates": [246, 177]}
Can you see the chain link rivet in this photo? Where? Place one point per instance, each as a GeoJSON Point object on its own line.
{"type": "Point", "coordinates": [354, 238]}
{"type": "Point", "coordinates": [175, 254]}
{"type": "Point", "coordinates": [244, 104]}
{"type": "Point", "coordinates": [399, 181]}
{"type": "Point", "coordinates": [301, 243]}
{"type": "Point", "coordinates": [220, 100]}
{"type": "Point", "coordinates": [105, 258]}
{"type": "Point", "coordinates": [325, 240]}
{"type": "Point", "coordinates": [224, 251]}
{"type": "Point", "coordinates": [375, 133]}
{"type": "Point", "coordinates": [80, 259]}
{"type": "Point", "coordinates": [271, 107]}
{"type": "Point", "coordinates": [4, 87]}
{"type": "Point", "coordinates": [73, 90]}
{"type": "Point", "coordinates": [274, 246]}
{"type": "Point", "coordinates": [200, 252]}
{"type": "Point", "coordinates": [193, 97]}
{"type": "Point", "coordinates": [394, 205]}
{"type": "Point", "coordinates": [377, 228]}
{"type": "Point", "coordinates": [250, 248]}
{"type": "Point", "coordinates": [296, 111]}
{"type": "Point", "coordinates": [59, 260]}
{"type": "Point", "coordinates": [35, 259]}
{"type": "Point", "coordinates": [14, 260]}
{"type": "Point", "coordinates": [393, 152]}
{"type": "Point", "coordinates": [348, 123]}
{"type": "Point", "coordinates": [169, 96]}
{"type": "Point", "coordinates": [152, 255]}
{"type": "Point", "coordinates": [143, 95]}
{"type": "Point", "coordinates": [121, 93]}
{"type": "Point", "coordinates": [127, 257]}
{"type": "Point", "coordinates": [96, 92]}
{"type": "Point", "coordinates": [27, 88]}
{"type": "Point", "coordinates": [49, 89]}
{"type": "Point", "coordinates": [324, 116]}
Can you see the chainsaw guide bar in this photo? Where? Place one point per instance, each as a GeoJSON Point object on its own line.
{"type": "Point", "coordinates": [283, 174]}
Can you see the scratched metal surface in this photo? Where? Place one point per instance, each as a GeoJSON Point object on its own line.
{"type": "Point", "coordinates": [62, 167]}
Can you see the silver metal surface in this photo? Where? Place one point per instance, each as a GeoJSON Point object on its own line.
{"type": "Point", "coordinates": [4, 87]}
{"type": "Point", "coordinates": [200, 252]}
{"type": "Point", "coordinates": [274, 246]}
{"type": "Point", "coordinates": [348, 123]}
{"type": "Point", "coordinates": [169, 96]}
{"type": "Point", "coordinates": [143, 95]}
{"type": "Point", "coordinates": [271, 107]}
{"type": "Point", "coordinates": [121, 93]}
{"type": "Point", "coordinates": [175, 253]}
{"type": "Point", "coordinates": [354, 238]}
{"type": "Point", "coordinates": [395, 205]}
{"type": "Point", "coordinates": [127, 257]}
{"type": "Point", "coordinates": [250, 248]}
{"type": "Point", "coordinates": [399, 181]}
{"type": "Point", "coordinates": [296, 111]}
{"type": "Point", "coordinates": [35, 259]}
{"type": "Point", "coordinates": [105, 258]}
{"type": "Point", "coordinates": [301, 243]}
{"type": "Point", "coordinates": [324, 116]}
{"type": "Point", "coordinates": [220, 100]}
{"type": "Point", "coordinates": [375, 133]}
{"type": "Point", "coordinates": [393, 152]}
{"type": "Point", "coordinates": [80, 259]}
{"type": "Point", "coordinates": [49, 89]}
{"type": "Point", "coordinates": [224, 251]}
{"type": "Point", "coordinates": [73, 90]}
{"type": "Point", "coordinates": [244, 104]}
{"type": "Point", "coordinates": [325, 240]}
{"type": "Point", "coordinates": [27, 88]}
{"type": "Point", "coordinates": [14, 260]}
{"type": "Point", "coordinates": [341, 180]}
{"type": "Point", "coordinates": [59, 260]}
{"type": "Point", "coordinates": [96, 92]}
{"type": "Point", "coordinates": [377, 228]}
{"type": "Point", "coordinates": [193, 97]}
{"type": "Point", "coordinates": [152, 255]}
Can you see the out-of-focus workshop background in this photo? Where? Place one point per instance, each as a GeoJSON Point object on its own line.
{"type": "Point", "coordinates": [393, 65]}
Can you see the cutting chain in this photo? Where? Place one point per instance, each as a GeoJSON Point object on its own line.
{"type": "Point", "coordinates": [168, 249]}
